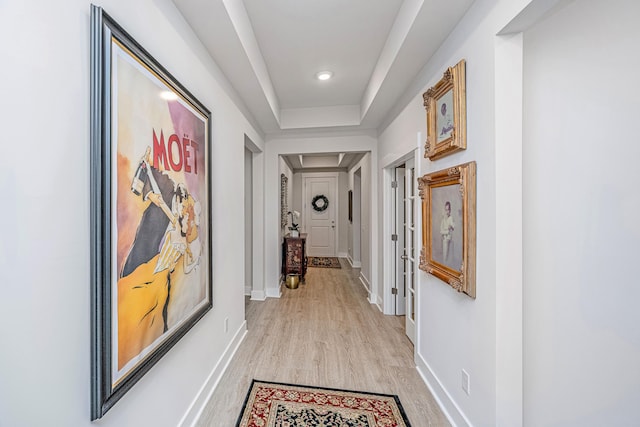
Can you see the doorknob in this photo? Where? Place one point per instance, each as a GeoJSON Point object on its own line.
{"type": "Point", "coordinates": [404, 257]}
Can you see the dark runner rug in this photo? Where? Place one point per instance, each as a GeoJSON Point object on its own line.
{"type": "Point", "coordinates": [323, 262]}
{"type": "Point", "coordinates": [281, 405]}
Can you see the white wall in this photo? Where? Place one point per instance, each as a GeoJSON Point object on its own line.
{"type": "Point", "coordinates": [580, 342]}
{"type": "Point", "coordinates": [581, 232]}
{"type": "Point", "coordinates": [44, 250]}
{"type": "Point", "coordinates": [367, 227]}
{"type": "Point", "coordinates": [297, 192]}
{"type": "Point", "coordinates": [456, 332]}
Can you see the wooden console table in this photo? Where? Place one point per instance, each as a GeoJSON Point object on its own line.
{"type": "Point", "coordinates": [294, 258]}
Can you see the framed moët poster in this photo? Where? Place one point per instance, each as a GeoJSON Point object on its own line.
{"type": "Point", "coordinates": [150, 211]}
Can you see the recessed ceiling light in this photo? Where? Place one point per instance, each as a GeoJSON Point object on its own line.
{"type": "Point", "coordinates": [324, 75]}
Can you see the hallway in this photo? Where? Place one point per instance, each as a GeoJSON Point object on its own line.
{"type": "Point", "coordinates": [325, 333]}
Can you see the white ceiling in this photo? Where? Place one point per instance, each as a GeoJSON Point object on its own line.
{"type": "Point", "coordinates": [270, 51]}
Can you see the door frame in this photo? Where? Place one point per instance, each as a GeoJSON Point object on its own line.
{"type": "Point", "coordinates": [305, 207]}
{"type": "Point", "coordinates": [399, 245]}
{"type": "Point", "coordinates": [258, 286]}
{"type": "Point", "coordinates": [356, 224]}
{"type": "Point", "coordinates": [388, 205]}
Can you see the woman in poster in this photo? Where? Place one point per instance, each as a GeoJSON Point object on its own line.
{"type": "Point", "coordinates": [167, 234]}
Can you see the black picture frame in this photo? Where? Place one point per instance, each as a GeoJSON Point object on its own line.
{"type": "Point", "coordinates": [172, 181]}
{"type": "Point", "coordinates": [350, 198]}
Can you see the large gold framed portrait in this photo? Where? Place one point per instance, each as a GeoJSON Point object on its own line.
{"type": "Point", "coordinates": [446, 105]}
{"type": "Point", "coordinates": [449, 226]}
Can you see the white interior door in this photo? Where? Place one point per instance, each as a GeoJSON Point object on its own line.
{"type": "Point", "coordinates": [320, 216]}
{"type": "Point", "coordinates": [398, 187]}
{"type": "Point", "coordinates": [411, 202]}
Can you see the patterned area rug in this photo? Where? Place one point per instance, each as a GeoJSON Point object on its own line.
{"type": "Point", "coordinates": [323, 261]}
{"type": "Point", "coordinates": [284, 405]}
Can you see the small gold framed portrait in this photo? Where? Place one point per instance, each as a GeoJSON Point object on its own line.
{"type": "Point", "coordinates": [446, 114]}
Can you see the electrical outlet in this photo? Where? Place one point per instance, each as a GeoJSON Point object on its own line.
{"type": "Point", "coordinates": [226, 325]}
{"type": "Point", "coordinates": [465, 382]}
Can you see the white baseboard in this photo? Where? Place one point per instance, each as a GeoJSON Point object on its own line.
{"type": "Point", "coordinates": [354, 264]}
{"type": "Point", "coordinates": [194, 412]}
{"type": "Point", "coordinates": [275, 292]}
{"type": "Point", "coordinates": [449, 407]}
{"type": "Point", "coordinates": [373, 299]}
{"type": "Point", "coordinates": [258, 296]}
{"type": "Point", "coordinates": [342, 255]}
{"type": "Point", "coordinates": [365, 283]}
{"type": "Point", "coordinates": [367, 286]}
{"type": "Point", "coordinates": [247, 290]}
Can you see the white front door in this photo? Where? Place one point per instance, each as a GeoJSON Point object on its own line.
{"type": "Point", "coordinates": [320, 206]}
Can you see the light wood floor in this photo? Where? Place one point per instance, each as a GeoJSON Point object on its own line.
{"type": "Point", "coordinates": [325, 333]}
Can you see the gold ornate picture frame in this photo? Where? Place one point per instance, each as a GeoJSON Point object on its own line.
{"type": "Point", "coordinates": [449, 226]}
{"type": "Point", "coordinates": [446, 105]}
{"type": "Point", "coordinates": [284, 208]}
